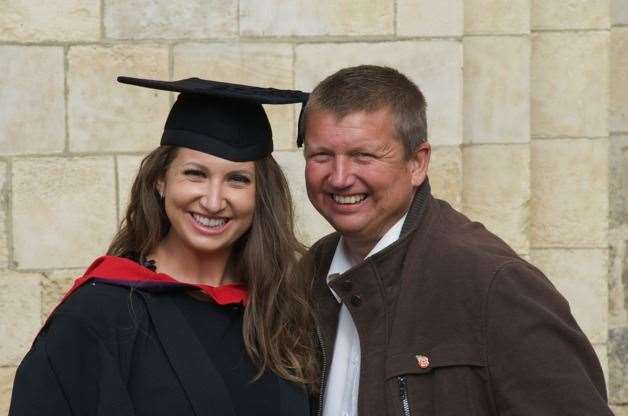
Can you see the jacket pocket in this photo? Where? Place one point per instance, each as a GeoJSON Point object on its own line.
{"type": "Point", "coordinates": [443, 380]}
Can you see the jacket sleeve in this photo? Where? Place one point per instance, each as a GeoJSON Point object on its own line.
{"type": "Point", "coordinates": [539, 360]}
{"type": "Point", "coordinates": [69, 371]}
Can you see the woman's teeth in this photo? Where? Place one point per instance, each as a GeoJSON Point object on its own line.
{"type": "Point", "coordinates": [349, 199]}
{"type": "Point", "coordinates": [209, 222]}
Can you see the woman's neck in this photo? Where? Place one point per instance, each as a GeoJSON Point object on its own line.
{"type": "Point", "coordinates": [191, 266]}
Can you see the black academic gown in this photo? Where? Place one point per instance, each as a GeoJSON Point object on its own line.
{"type": "Point", "coordinates": [114, 349]}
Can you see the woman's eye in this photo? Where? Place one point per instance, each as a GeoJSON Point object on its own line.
{"type": "Point", "coordinates": [194, 173]}
{"type": "Point", "coordinates": [240, 179]}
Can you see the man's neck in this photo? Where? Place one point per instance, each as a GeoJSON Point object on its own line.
{"type": "Point", "coordinates": [357, 250]}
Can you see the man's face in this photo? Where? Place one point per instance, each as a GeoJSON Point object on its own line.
{"type": "Point", "coordinates": [356, 172]}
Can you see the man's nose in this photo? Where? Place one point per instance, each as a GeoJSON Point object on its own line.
{"type": "Point", "coordinates": [342, 173]}
{"type": "Point", "coordinates": [214, 199]}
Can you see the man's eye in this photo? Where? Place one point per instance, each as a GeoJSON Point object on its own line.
{"type": "Point", "coordinates": [194, 173]}
{"type": "Point", "coordinates": [364, 156]}
{"type": "Point", "coordinates": [319, 157]}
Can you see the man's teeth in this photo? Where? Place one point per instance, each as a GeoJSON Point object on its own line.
{"type": "Point", "coordinates": [349, 199]}
{"type": "Point", "coordinates": [209, 222]}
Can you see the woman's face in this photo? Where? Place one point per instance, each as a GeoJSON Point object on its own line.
{"type": "Point", "coordinates": [209, 201]}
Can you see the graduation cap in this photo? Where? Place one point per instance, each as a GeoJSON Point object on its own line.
{"type": "Point", "coordinates": [219, 118]}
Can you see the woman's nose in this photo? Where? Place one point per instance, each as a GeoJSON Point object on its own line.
{"type": "Point", "coordinates": [214, 200]}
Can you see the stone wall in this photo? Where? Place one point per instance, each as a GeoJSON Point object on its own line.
{"type": "Point", "coordinates": [528, 115]}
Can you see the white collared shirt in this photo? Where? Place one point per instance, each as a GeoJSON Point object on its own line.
{"type": "Point", "coordinates": [341, 393]}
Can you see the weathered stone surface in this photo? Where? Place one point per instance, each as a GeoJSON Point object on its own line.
{"type": "Point", "coordinates": [496, 190]}
{"type": "Point", "coordinates": [435, 66]}
{"type": "Point", "coordinates": [7, 375]}
{"type": "Point", "coordinates": [580, 276]}
{"type": "Point", "coordinates": [569, 193]}
{"type": "Point", "coordinates": [164, 19]}
{"type": "Point", "coordinates": [619, 12]}
{"type": "Point", "coordinates": [128, 166]}
{"type": "Point", "coordinates": [620, 410]}
{"type": "Point", "coordinates": [618, 180]}
{"type": "Point", "coordinates": [31, 76]}
{"type": "Point", "coordinates": [263, 64]}
{"type": "Point", "coordinates": [445, 173]}
{"type": "Point", "coordinates": [63, 211]}
{"type": "Point", "coordinates": [20, 309]}
{"type": "Point", "coordinates": [497, 16]}
{"type": "Point", "coordinates": [570, 14]}
{"type": "Point", "coordinates": [104, 115]}
{"type": "Point", "coordinates": [618, 365]}
{"type": "Point", "coordinates": [570, 84]}
{"type": "Point", "coordinates": [316, 18]}
{"type": "Point", "coordinates": [309, 224]}
{"type": "Point", "coordinates": [430, 18]}
{"type": "Point", "coordinates": [618, 277]}
{"type": "Point", "coordinates": [619, 80]}
{"type": "Point", "coordinates": [54, 285]}
{"type": "Point", "coordinates": [4, 210]}
{"type": "Point", "coordinates": [496, 89]}
{"type": "Point", "coordinates": [67, 20]}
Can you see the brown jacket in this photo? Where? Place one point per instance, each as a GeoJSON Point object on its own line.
{"type": "Point", "coordinates": [452, 322]}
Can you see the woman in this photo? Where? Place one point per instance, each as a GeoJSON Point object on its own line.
{"type": "Point", "coordinates": [197, 309]}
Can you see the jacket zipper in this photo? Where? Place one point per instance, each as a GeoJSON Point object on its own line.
{"type": "Point", "coordinates": [403, 395]}
{"type": "Point", "coordinates": [323, 371]}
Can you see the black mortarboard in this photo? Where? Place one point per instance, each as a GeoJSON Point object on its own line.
{"type": "Point", "coordinates": [219, 118]}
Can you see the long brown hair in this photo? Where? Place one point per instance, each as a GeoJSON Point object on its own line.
{"type": "Point", "coordinates": [278, 324]}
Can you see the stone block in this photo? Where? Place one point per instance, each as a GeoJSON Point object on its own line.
{"type": "Point", "coordinates": [569, 193]}
{"type": "Point", "coordinates": [618, 180]}
{"type": "Point", "coordinates": [104, 115]}
{"type": "Point", "coordinates": [163, 19]}
{"type": "Point", "coordinates": [496, 190]}
{"type": "Point", "coordinates": [7, 375]}
{"type": "Point", "coordinates": [4, 212]}
{"type": "Point", "coordinates": [64, 211]}
{"type": "Point", "coordinates": [262, 64]}
{"type": "Point", "coordinates": [619, 15]}
{"type": "Point", "coordinates": [20, 308]}
{"type": "Point", "coordinates": [32, 119]}
{"type": "Point", "coordinates": [54, 285]}
{"type": "Point", "coordinates": [445, 173]}
{"type": "Point", "coordinates": [618, 277]}
{"type": "Point", "coordinates": [570, 84]}
{"type": "Point", "coordinates": [496, 89]}
{"type": "Point", "coordinates": [620, 410]}
{"type": "Point", "coordinates": [316, 18]}
{"type": "Point", "coordinates": [497, 16]}
{"type": "Point", "coordinates": [309, 224]}
{"type": "Point", "coordinates": [435, 66]}
{"type": "Point", "coordinates": [570, 14]}
{"type": "Point", "coordinates": [618, 365]}
{"type": "Point", "coordinates": [36, 21]}
{"type": "Point", "coordinates": [430, 18]}
{"type": "Point", "coordinates": [619, 80]}
{"type": "Point", "coordinates": [580, 275]}
{"type": "Point", "coordinates": [128, 166]}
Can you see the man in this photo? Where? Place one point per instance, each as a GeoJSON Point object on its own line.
{"type": "Point", "coordinates": [421, 311]}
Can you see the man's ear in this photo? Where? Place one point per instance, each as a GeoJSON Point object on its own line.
{"type": "Point", "coordinates": [419, 162]}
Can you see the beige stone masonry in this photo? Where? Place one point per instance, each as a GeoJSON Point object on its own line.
{"type": "Point", "coordinates": [445, 174]}
{"type": "Point", "coordinates": [580, 276]}
{"type": "Point", "coordinates": [128, 166]}
{"type": "Point", "coordinates": [496, 16]}
{"type": "Point", "coordinates": [435, 66]}
{"type": "Point", "coordinates": [20, 309]}
{"type": "Point", "coordinates": [570, 84]}
{"type": "Point", "coordinates": [496, 89]}
{"type": "Point", "coordinates": [262, 64]}
{"type": "Point", "coordinates": [570, 14]}
{"type": "Point", "coordinates": [63, 211]}
{"type": "Point", "coordinates": [430, 18]}
{"type": "Point", "coordinates": [7, 375]}
{"type": "Point", "coordinates": [54, 285]}
{"type": "Point", "coordinates": [104, 115]}
{"type": "Point", "coordinates": [309, 224]}
{"type": "Point", "coordinates": [619, 14]}
{"type": "Point", "coordinates": [32, 116]}
{"type": "Point", "coordinates": [316, 17]}
{"type": "Point", "coordinates": [166, 19]}
{"type": "Point", "coordinates": [619, 80]}
{"type": "Point", "coordinates": [496, 190]}
{"type": "Point", "coordinates": [4, 205]}
{"type": "Point", "coordinates": [37, 21]}
{"type": "Point", "coordinates": [569, 193]}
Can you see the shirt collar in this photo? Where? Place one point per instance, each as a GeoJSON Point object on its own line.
{"type": "Point", "coordinates": [341, 261]}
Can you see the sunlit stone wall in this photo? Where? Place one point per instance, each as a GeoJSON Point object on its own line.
{"type": "Point", "coordinates": [528, 116]}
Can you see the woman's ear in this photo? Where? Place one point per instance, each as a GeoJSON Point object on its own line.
{"type": "Point", "coordinates": [160, 186]}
